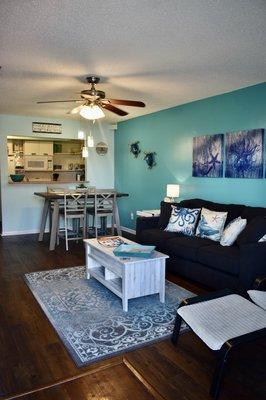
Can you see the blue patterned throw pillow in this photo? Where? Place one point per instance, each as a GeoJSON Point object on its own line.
{"type": "Point", "coordinates": [183, 220]}
{"type": "Point", "coordinates": [211, 224]}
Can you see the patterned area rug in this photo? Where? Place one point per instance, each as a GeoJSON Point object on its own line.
{"type": "Point", "coordinates": [89, 318]}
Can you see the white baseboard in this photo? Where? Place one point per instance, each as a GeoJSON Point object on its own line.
{"type": "Point", "coordinates": [124, 228]}
{"type": "Point", "coordinates": [34, 231]}
{"type": "Point", "coordinates": [25, 232]}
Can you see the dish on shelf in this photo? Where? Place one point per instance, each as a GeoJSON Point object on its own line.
{"type": "Point", "coordinates": [17, 177]}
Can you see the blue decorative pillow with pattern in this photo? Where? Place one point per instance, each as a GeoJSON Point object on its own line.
{"type": "Point", "coordinates": [183, 220]}
{"type": "Point", "coordinates": [211, 224]}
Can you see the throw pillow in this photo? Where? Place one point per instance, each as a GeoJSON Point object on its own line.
{"type": "Point", "coordinates": [263, 239]}
{"type": "Point", "coordinates": [211, 224]}
{"type": "Point", "coordinates": [183, 220]}
{"type": "Point", "coordinates": [232, 230]}
{"type": "Point", "coordinates": [253, 232]}
{"type": "Point", "coordinates": [258, 297]}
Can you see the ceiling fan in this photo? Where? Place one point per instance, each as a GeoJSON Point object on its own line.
{"type": "Point", "coordinates": [93, 101]}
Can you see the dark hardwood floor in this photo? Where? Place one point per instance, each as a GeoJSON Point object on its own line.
{"type": "Point", "coordinates": [35, 365]}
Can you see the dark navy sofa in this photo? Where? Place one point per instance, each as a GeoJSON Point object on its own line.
{"type": "Point", "coordinates": [204, 260]}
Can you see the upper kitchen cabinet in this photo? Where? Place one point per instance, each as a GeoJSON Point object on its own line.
{"type": "Point", "coordinates": [34, 147]}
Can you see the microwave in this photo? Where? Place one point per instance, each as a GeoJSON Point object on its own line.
{"type": "Point", "coordinates": [38, 163]}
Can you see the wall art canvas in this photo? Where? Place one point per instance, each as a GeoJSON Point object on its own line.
{"type": "Point", "coordinates": [244, 154]}
{"type": "Point", "coordinates": [208, 156]}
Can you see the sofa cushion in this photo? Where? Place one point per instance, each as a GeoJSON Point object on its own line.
{"type": "Point", "coordinates": [233, 210]}
{"type": "Point", "coordinates": [156, 237]}
{"type": "Point", "coordinates": [224, 259]}
{"type": "Point", "coordinates": [165, 214]}
{"type": "Point", "coordinates": [186, 247]}
{"type": "Point", "coordinates": [251, 212]}
{"type": "Point", "coordinates": [253, 232]}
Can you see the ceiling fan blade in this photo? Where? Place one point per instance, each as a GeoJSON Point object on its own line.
{"type": "Point", "coordinates": [114, 109]}
{"type": "Point", "coordinates": [131, 103]}
{"type": "Point", "coordinates": [58, 101]}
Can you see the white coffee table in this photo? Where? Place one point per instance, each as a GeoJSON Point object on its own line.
{"type": "Point", "coordinates": [128, 278]}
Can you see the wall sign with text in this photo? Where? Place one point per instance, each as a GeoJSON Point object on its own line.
{"type": "Point", "coordinates": [44, 127]}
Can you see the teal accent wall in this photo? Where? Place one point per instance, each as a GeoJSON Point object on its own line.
{"type": "Point", "coordinates": [169, 133]}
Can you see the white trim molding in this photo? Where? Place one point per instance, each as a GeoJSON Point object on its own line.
{"type": "Point", "coordinates": [25, 232]}
{"type": "Point", "coordinates": [124, 228]}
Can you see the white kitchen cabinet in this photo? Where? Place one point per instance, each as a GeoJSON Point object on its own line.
{"type": "Point", "coordinates": [11, 165]}
{"type": "Point", "coordinates": [10, 151]}
{"type": "Point", "coordinates": [31, 147]}
{"type": "Point", "coordinates": [46, 148]}
{"type": "Point", "coordinates": [35, 147]}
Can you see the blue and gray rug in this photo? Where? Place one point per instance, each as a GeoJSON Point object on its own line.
{"type": "Point", "coordinates": [89, 318]}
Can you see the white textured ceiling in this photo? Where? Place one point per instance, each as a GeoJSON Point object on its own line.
{"type": "Point", "coordinates": [163, 52]}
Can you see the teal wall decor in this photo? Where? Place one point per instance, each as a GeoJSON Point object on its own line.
{"type": "Point", "coordinates": [171, 132]}
{"type": "Point", "coordinates": [149, 157]}
{"type": "Point", "coordinates": [134, 149]}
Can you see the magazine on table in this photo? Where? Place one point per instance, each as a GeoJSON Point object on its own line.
{"type": "Point", "coordinates": [110, 241]}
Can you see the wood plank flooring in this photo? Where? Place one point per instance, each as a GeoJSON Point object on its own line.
{"type": "Point", "coordinates": [35, 365]}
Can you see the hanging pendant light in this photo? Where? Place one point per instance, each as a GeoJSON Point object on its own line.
{"type": "Point", "coordinates": [85, 152]}
{"type": "Point", "coordinates": [81, 135]}
{"type": "Point", "coordinates": [91, 112]}
{"type": "Point", "coordinates": [90, 140]}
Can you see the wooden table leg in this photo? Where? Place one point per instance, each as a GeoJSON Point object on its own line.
{"type": "Point", "coordinates": [44, 219]}
{"type": "Point", "coordinates": [117, 220]}
{"type": "Point", "coordinates": [55, 222]}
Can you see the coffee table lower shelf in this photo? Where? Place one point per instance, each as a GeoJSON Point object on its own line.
{"type": "Point", "coordinates": [115, 284]}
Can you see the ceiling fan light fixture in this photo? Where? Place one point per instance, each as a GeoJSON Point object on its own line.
{"type": "Point", "coordinates": [76, 110]}
{"type": "Point", "coordinates": [91, 112]}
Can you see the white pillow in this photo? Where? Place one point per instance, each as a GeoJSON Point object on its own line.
{"type": "Point", "coordinates": [183, 220]}
{"type": "Point", "coordinates": [263, 239]}
{"type": "Point", "coordinates": [231, 232]}
{"type": "Point", "coordinates": [211, 224]}
{"type": "Point", "coordinates": [258, 297]}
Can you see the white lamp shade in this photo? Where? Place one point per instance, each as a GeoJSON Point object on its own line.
{"type": "Point", "coordinates": [81, 135]}
{"type": "Point", "coordinates": [91, 112]}
{"type": "Point", "coordinates": [172, 190]}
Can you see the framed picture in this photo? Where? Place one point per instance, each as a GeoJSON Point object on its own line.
{"type": "Point", "coordinates": [244, 154]}
{"type": "Point", "coordinates": [44, 127]}
{"type": "Point", "coordinates": [208, 156]}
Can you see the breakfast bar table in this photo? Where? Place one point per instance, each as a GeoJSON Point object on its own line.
{"type": "Point", "coordinates": [56, 198]}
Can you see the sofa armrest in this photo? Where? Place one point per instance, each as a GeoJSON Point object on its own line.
{"type": "Point", "coordinates": [252, 263]}
{"type": "Point", "coordinates": [143, 223]}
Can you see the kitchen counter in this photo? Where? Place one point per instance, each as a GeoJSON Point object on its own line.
{"type": "Point", "coordinates": [44, 182]}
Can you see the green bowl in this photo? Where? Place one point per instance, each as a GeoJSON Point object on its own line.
{"type": "Point", "coordinates": [17, 177]}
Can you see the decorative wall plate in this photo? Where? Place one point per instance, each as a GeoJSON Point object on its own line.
{"type": "Point", "coordinates": [101, 148]}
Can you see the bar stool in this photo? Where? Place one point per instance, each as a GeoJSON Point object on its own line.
{"type": "Point", "coordinates": [104, 206]}
{"type": "Point", "coordinates": [74, 210]}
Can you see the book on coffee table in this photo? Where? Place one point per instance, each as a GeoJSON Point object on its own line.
{"type": "Point", "coordinates": [110, 241]}
{"type": "Point", "coordinates": [133, 250]}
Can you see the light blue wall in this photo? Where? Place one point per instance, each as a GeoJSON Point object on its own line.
{"type": "Point", "coordinates": [169, 133]}
{"type": "Point", "coordinates": [21, 210]}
